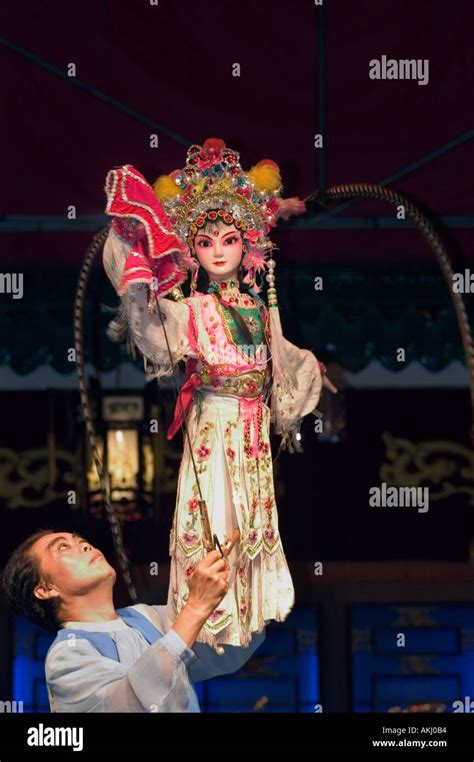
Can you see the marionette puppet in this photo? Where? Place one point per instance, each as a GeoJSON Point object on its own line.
{"type": "Point", "coordinates": [241, 372]}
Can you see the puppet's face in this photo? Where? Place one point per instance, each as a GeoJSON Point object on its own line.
{"type": "Point", "coordinates": [70, 566]}
{"type": "Point", "coordinates": [218, 248]}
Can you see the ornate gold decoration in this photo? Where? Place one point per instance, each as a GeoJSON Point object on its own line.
{"type": "Point", "coordinates": [447, 466]}
{"type": "Point", "coordinates": [416, 664]}
{"type": "Point", "coordinates": [436, 707]}
{"type": "Point", "coordinates": [414, 616]}
{"type": "Point", "coordinates": [24, 477]}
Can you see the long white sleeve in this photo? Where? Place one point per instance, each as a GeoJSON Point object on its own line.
{"type": "Point", "coordinates": [289, 406]}
{"type": "Point", "coordinates": [208, 662]}
{"type": "Point", "coordinates": [145, 328]}
{"type": "Point", "coordinates": [80, 679]}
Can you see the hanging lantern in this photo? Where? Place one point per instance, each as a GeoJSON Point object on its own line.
{"type": "Point", "coordinates": [127, 459]}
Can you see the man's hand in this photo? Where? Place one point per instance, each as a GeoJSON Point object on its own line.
{"type": "Point", "coordinates": [207, 584]}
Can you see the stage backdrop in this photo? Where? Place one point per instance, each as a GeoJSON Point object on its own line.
{"type": "Point", "coordinates": [404, 438]}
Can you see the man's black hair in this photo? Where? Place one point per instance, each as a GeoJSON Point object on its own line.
{"type": "Point", "coordinates": [20, 577]}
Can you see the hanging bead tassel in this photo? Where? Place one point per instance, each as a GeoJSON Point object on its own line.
{"type": "Point", "coordinates": [283, 374]}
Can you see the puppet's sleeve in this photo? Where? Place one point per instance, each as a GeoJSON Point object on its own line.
{"type": "Point", "coordinates": [293, 405]}
{"type": "Point", "coordinates": [296, 380]}
{"type": "Point", "coordinates": [142, 327]}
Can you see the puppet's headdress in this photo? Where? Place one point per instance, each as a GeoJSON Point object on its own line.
{"type": "Point", "coordinates": [213, 185]}
{"type": "Point", "coordinates": [162, 220]}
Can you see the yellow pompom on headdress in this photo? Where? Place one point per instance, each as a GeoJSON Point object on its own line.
{"type": "Point", "coordinates": [165, 188]}
{"type": "Point", "coordinates": [266, 176]}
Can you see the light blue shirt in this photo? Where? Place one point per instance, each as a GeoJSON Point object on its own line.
{"type": "Point", "coordinates": [146, 678]}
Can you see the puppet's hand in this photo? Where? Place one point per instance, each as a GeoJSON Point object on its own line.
{"type": "Point", "coordinates": [326, 382]}
{"type": "Point", "coordinates": [291, 442]}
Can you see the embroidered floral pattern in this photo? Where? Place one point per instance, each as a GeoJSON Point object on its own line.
{"type": "Point", "coordinates": [248, 384]}
{"type": "Point", "coordinates": [216, 614]}
{"type": "Point", "coordinates": [193, 504]}
{"type": "Point", "coordinates": [228, 434]}
{"type": "Point", "coordinates": [220, 619]}
{"type": "Point", "coordinates": [190, 539]}
{"type": "Point", "coordinates": [203, 452]}
{"type": "Point", "coordinates": [239, 434]}
{"type": "Point", "coordinates": [244, 601]}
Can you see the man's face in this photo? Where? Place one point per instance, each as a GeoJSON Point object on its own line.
{"type": "Point", "coordinates": [69, 566]}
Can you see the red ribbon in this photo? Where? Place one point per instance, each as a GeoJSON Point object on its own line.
{"type": "Point", "coordinates": [185, 397]}
{"type": "Point", "coordinates": [251, 409]}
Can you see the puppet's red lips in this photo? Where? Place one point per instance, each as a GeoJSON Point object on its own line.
{"type": "Point", "coordinates": [220, 263]}
{"type": "Point", "coordinates": [96, 557]}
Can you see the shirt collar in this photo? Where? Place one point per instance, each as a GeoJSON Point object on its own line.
{"type": "Point", "coordinates": [109, 626]}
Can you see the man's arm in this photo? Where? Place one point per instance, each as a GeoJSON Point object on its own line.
{"type": "Point", "coordinates": [208, 662]}
{"type": "Point", "coordinates": [207, 587]}
{"type": "Point", "coordinates": [81, 680]}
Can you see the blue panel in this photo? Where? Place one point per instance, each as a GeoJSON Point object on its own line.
{"type": "Point", "coordinates": [40, 694]}
{"type": "Point", "coordinates": [284, 672]}
{"type": "Point", "coordinates": [277, 643]}
{"type": "Point", "coordinates": [29, 684]}
{"type": "Point", "coordinates": [416, 688]}
{"type": "Point", "coordinates": [281, 692]}
{"type": "Point", "coordinates": [200, 689]}
{"type": "Point", "coordinates": [442, 647]}
{"type": "Point", "coordinates": [23, 682]}
{"type": "Point", "coordinates": [363, 708]}
{"type": "Point", "coordinates": [42, 644]}
{"type": "Point", "coordinates": [417, 640]}
{"type": "Point", "coordinates": [438, 614]}
{"type": "Point", "coordinates": [309, 679]}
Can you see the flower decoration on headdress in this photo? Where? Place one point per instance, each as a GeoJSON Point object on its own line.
{"type": "Point", "coordinates": [213, 185]}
